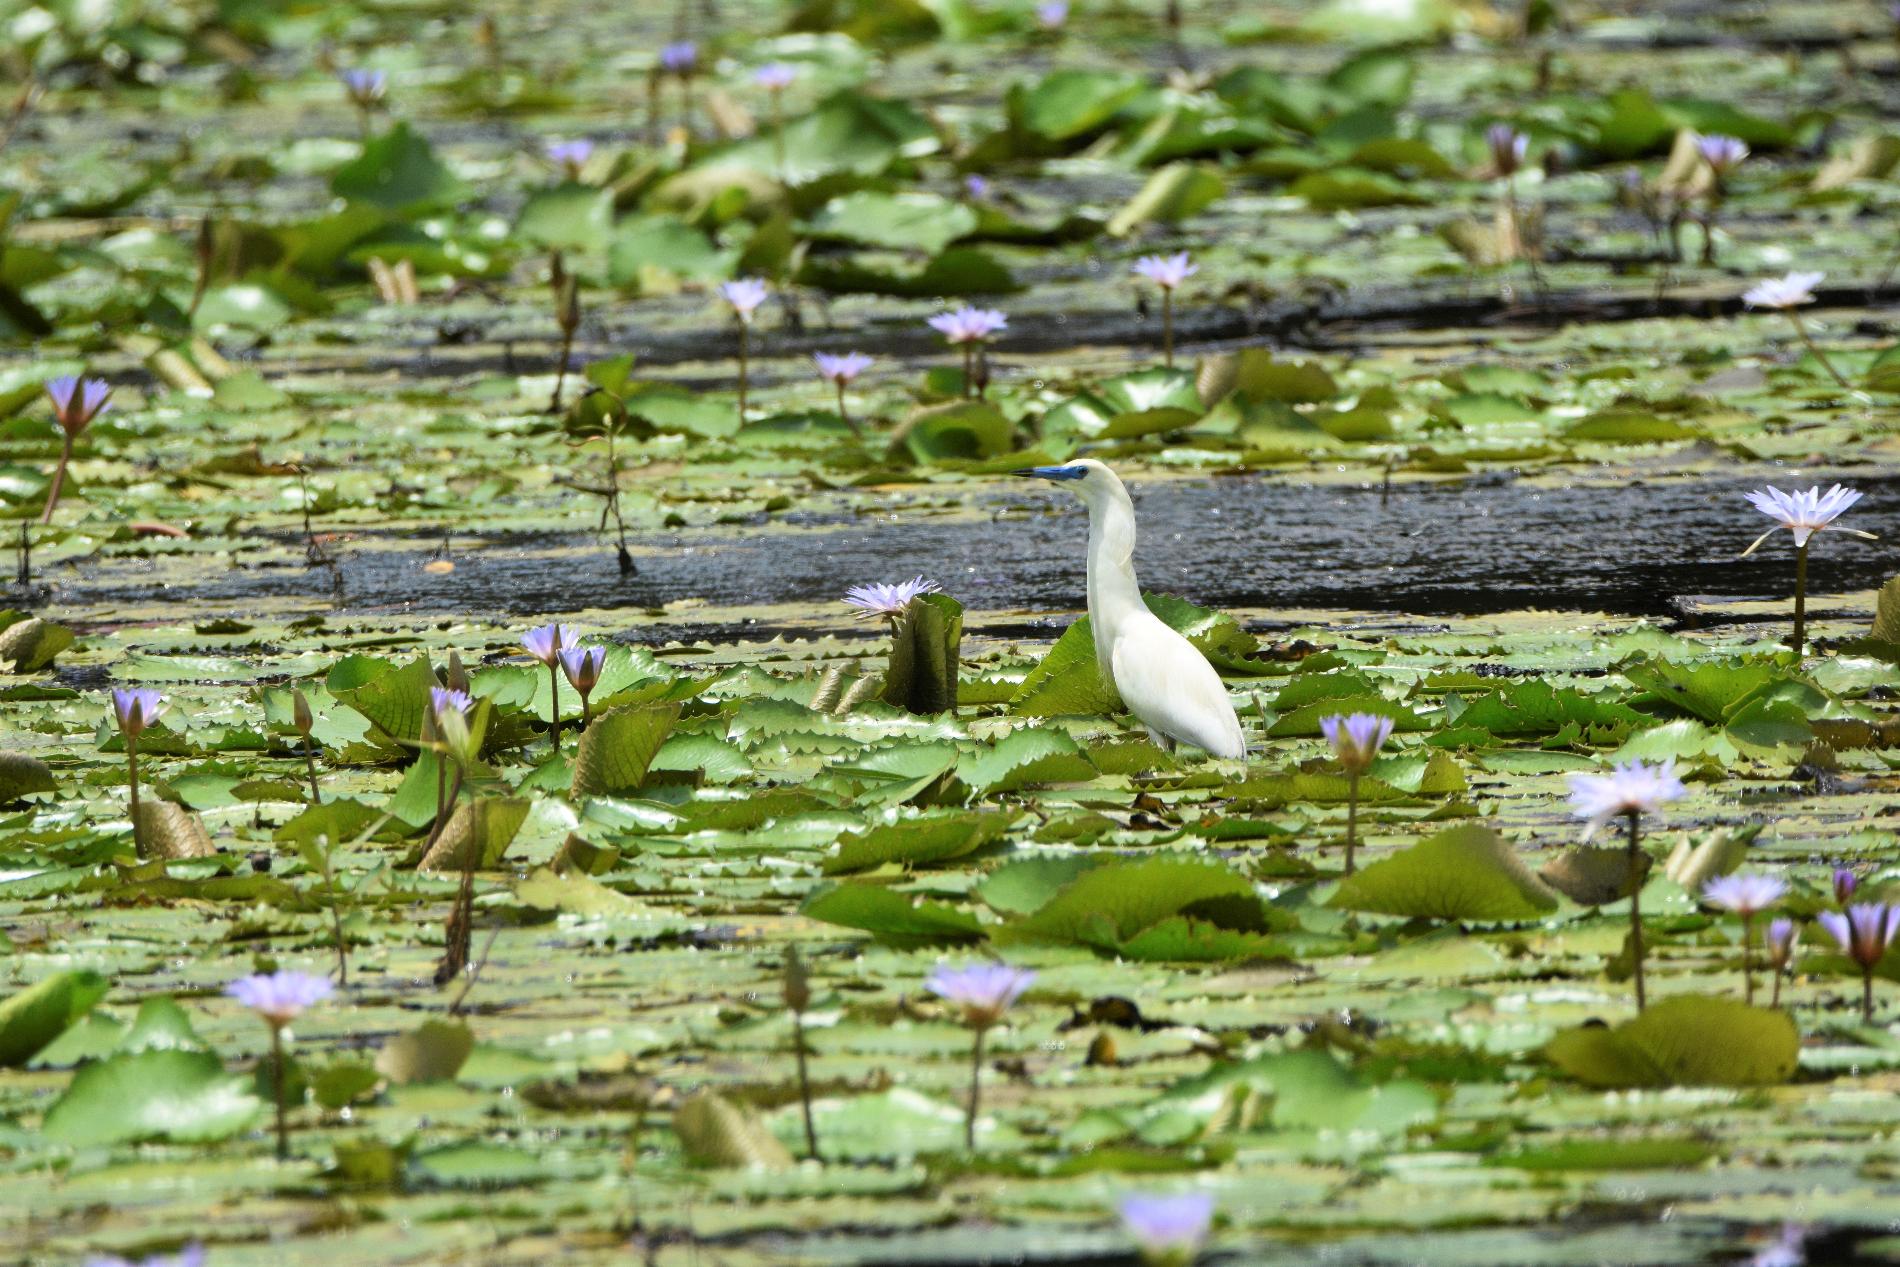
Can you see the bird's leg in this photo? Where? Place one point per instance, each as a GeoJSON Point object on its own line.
{"type": "Point", "coordinates": [1161, 741]}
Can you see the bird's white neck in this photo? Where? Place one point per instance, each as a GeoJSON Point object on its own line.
{"type": "Point", "coordinates": [1113, 592]}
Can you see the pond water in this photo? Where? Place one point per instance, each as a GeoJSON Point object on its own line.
{"type": "Point", "coordinates": [1475, 546]}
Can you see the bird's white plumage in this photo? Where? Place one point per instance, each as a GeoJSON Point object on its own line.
{"type": "Point", "coordinates": [1162, 678]}
{"type": "Point", "coordinates": [1170, 687]}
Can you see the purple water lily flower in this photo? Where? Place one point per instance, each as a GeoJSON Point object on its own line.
{"type": "Point", "coordinates": [1745, 894]}
{"type": "Point", "coordinates": [366, 87]}
{"type": "Point", "coordinates": [1051, 15]}
{"type": "Point", "coordinates": [841, 370]}
{"type": "Point", "coordinates": [570, 156]}
{"type": "Point", "coordinates": [443, 700]}
{"type": "Point", "coordinates": [135, 708]}
{"type": "Point", "coordinates": [1804, 513]}
{"type": "Point", "coordinates": [1789, 1249]}
{"type": "Point", "coordinates": [1780, 942]}
{"type": "Point", "coordinates": [1783, 292]}
{"type": "Point", "coordinates": [280, 997]}
{"type": "Point", "coordinates": [77, 401]}
{"type": "Point", "coordinates": [1631, 787]}
{"type": "Point", "coordinates": [968, 325]}
{"type": "Point", "coordinates": [745, 295]}
{"type": "Point", "coordinates": [890, 601]}
{"type": "Point", "coordinates": [1508, 147]}
{"type": "Point", "coordinates": [1864, 930]}
{"type": "Point", "coordinates": [582, 666]}
{"type": "Point", "coordinates": [680, 57]}
{"type": "Point", "coordinates": [976, 187]}
{"type": "Point", "coordinates": [190, 1256]}
{"type": "Point", "coordinates": [1169, 1228]}
{"type": "Point", "coordinates": [775, 76]}
{"type": "Point", "coordinates": [1166, 271]}
{"type": "Point", "coordinates": [1356, 739]}
{"type": "Point", "coordinates": [1723, 154]}
{"type": "Point", "coordinates": [985, 991]}
{"type": "Point", "coordinates": [545, 642]}
{"type": "Point", "coordinates": [1845, 882]}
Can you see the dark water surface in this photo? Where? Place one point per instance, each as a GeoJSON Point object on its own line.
{"type": "Point", "coordinates": [1483, 545]}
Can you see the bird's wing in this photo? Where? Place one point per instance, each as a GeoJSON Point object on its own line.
{"type": "Point", "coordinates": [1169, 686]}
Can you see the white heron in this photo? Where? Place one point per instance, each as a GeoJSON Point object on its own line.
{"type": "Point", "coordinates": [1162, 677]}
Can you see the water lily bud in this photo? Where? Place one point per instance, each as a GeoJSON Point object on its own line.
{"type": "Point", "coordinates": [457, 675]}
{"type": "Point", "coordinates": [135, 709]}
{"type": "Point", "coordinates": [452, 726]}
{"type": "Point", "coordinates": [1356, 739]}
{"type": "Point", "coordinates": [1845, 882]}
{"type": "Point", "coordinates": [1780, 941]}
{"type": "Point", "coordinates": [300, 715]}
{"type": "Point", "coordinates": [797, 982]}
{"type": "Point", "coordinates": [583, 666]}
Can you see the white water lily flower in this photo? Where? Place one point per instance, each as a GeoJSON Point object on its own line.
{"type": "Point", "coordinates": [1745, 894]}
{"type": "Point", "coordinates": [1804, 513]}
{"type": "Point", "coordinates": [1629, 788]}
{"type": "Point", "coordinates": [1784, 292]}
{"type": "Point", "coordinates": [888, 600]}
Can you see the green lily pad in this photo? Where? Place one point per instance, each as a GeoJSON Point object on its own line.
{"type": "Point", "coordinates": [1466, 872]}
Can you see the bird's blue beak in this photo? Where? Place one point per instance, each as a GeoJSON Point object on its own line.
{"type": "Point", "coordinates": [1053, 472]}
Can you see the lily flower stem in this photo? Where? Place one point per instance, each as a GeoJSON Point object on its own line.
{"type": "Point", "coordinates": [554, 707]}
{"type": "Point", "coordinates": [1167, 327]}
{"type": "Point", "coordinates": [804, 1085]}
{"type": "Point", "coordinates": [744, 347]}
{"type": "Point", "coordinates": [1801, 597]}
{"type": "Point", "coordinates": [778, 131]}
{"type": "Point", "coordinates": [976, 1080]}
{"type": "Point", "coordinates": [845, 414]}
{"type": "Point", "coordinates": [59, 481]}
{"type": "Point", "coordinates": [26, 556]}
{"type": "Point", "coordinates": [277, 1065]}
{"type": "Point", "coordinates": [475, 971]}
{"type": "Point", "coordinates": [1867, 994]}
{"type": "Point", "coordinates": [1352, 816]}
{"type": "Point", "coordinates": [587, 713]}
{"type": "Point", "coordinates": [132, 780]}
{"type": "Point", "coordinates": [1815, 349]}
{"type": "Point", "coordinates": [1636, 909]}
{"type": "Point", "coordinates": [1774, 998]}
{"type": "Point", "coordinates": [624, 558]}
{"type": "Point", "coordinates": [560, 371]}
{"type": "Point", "coordinates": [969, 369]}
{"type": "Point", "coordinates": [310, 764]}
{"type": "Point", "coordinates": [1748, 967]}
{"type": "Point", "coordinates": [336, 923]}
{"type": "Point", "coordinates": [444, 804]}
